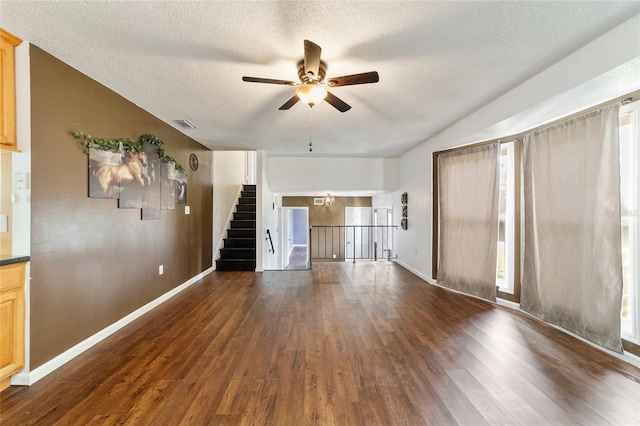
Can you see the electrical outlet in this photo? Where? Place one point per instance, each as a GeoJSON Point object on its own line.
{"type": "Point", "coordinates": [160, 269]}
{"type": "Point", "coordinates": [187, 210]}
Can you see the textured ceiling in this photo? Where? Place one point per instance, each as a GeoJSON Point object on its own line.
{"type": "Point", "coordinates": [438, 61]}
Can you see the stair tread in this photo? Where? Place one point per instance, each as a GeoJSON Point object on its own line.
{"type": "Point", "coordinates": [238, 259]}
{"type": "Point", "coordinates": [239, 251]}
{"type": "Point", "coordinates": [235, 260]}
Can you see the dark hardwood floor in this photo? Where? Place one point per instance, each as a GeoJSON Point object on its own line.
{"type": "Point", "coordinates": [344, 344]}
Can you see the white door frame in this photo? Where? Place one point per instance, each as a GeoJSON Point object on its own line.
{"type": "Point", "coordinates": [287, 246]}
{"type": "Point", "coordinates": [383, 233]}
{"type": "Point", "coordinates": [360, 220]}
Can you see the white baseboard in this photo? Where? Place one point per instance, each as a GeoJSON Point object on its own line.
{"type": "Point", "coordinates": [626, 356]}
{"type": "Point", "coordinates": [29, 378]}
{"type": "Point", "coordinates": [508, 304]}
{"type": "Point", "coordinates": [415, 272]}
{"type": "Point", "coordinates": [431, 281]}
{"type": "Point", "coordinates": [629, 357]}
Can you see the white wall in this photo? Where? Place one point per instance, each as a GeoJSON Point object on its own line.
{"type": "Point", "coordinates": [21, 161]}
{"type": "Point", "coordinates": [228, 175]}
{"type": "Point", "coordinates": [229, 172]}
{"type": "Point", "coordinates": [21, 209]}
{"type": "Point", "coordinates": [604, 69]}
{"type": "Point", "coordinates": [267, 218]}
{"type": "Point", "coordinates": [412, 246]}
{"type": "Point", "coordinates": [300, 174]}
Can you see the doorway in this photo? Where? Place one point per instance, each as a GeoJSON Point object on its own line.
{"type": "Point", "coordinates": [383, 235]}
{"type": "Point", "coordinates": [358, 236]}
{"type": "Point", "coordinates": [296, 236]}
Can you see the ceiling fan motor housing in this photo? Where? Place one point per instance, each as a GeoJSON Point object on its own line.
{"type": "Point", "coordinates": [304, 77]}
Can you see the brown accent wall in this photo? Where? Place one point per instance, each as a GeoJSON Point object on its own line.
{"type": "Point", "coordinates": [333, 241]}
{"type": "Point", "coordinates": [91, 262]}
{"type": "Point", "coordinates": [326, 215]}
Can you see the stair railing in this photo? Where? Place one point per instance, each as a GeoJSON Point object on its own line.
{"type": "Point", "coordinates": [272, 250]}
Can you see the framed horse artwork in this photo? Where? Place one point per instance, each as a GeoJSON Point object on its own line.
{"type": "Point", "coordinates": [139, 180]}
{"type": "Point", "coordinates": [117, 175]}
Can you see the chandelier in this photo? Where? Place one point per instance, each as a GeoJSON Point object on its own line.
{"type": "Point", "coordinates": [329, 199]}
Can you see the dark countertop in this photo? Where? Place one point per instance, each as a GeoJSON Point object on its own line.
{"type": "Point", "coordinates": [8, 259]}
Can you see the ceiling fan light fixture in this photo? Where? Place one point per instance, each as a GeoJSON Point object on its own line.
{"type": "Point", "coordinates": [311, 93]}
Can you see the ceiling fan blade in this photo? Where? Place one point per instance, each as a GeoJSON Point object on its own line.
{"type": "Point", "coordinates": [269, 80]}
{"type": "Point", "coordinates": [311, 57]}
{"type": "Point", "coordinates": [337, 103]}
{"type": "Point", "coordinates": [350, 80]}
{"type": "Point", "coordinates": [291, 102]}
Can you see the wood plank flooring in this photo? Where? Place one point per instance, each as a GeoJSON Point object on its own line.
{"type": "Point", "coordinates": [343, 344]}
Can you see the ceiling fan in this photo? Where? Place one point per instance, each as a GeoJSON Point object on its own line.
{"type": "Point", "coordinates": [312, 71]}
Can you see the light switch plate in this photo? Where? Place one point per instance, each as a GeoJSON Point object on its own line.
{"type": "Point", "coordinates": [187, 210]}
{"type": "Point", "coordinates": [21, 181]}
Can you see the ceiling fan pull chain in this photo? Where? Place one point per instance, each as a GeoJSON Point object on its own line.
{"type": "Point", "coordinates": [310, 144]}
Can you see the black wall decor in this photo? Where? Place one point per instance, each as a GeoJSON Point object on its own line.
{"type": "Point", "coordinates": [404, 198]}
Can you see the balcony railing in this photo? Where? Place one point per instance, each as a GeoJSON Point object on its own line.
{"type": "Point", "coordinates": [351, 242]}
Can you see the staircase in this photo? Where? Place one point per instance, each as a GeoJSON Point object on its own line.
{"type": "Point", "coordinates": [239, 251]}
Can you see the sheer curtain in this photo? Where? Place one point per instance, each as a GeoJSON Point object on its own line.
{"type": "Point", "coordinates": [572, 268]}
{"type": "Point", "coordinates": [468, 188]}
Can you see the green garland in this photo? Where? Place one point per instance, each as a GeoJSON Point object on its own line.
{"type": "Point", "coordinates": [88, 143]}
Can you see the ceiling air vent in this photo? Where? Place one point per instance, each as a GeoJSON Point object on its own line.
{"type": "Point", "coordinates": [185, 123]}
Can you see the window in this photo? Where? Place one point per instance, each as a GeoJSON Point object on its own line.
{"type": "Point", "coordinates": [509, 226]}
{"type": "Point", "coordinates": [629, 196]}
{"type": "Point", "coordinates": [504, 269]}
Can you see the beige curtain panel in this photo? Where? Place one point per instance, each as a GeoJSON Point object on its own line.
{"type": "Point", "coordinates": [468, 188]}
{"type": "Point", "coordinates": [572, 268]}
